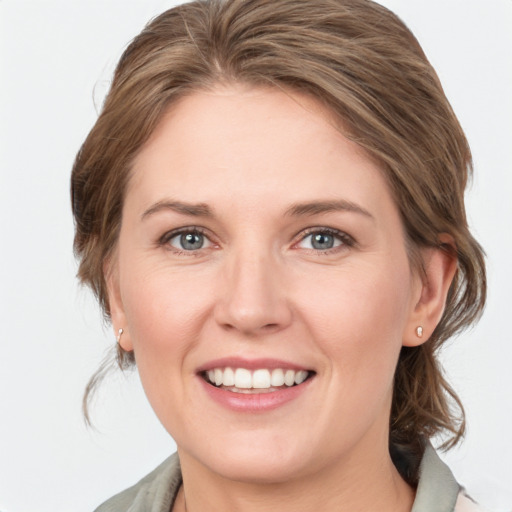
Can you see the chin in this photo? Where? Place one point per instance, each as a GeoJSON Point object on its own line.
{"type": "Point", "coordinates": [258, 470]}
{"type": "Point", "coordinates": [257, 461]}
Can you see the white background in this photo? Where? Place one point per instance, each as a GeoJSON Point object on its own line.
{"type": "Point", "coordinates": [57, 58]}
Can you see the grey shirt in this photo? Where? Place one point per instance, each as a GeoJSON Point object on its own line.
{"type": "Point", "coordinates": [437, 489]}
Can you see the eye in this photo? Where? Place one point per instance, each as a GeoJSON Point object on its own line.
{"type": "Point", "coordinates": [186, 240]}
{"type": "Point", "coordinates": [324, 240]}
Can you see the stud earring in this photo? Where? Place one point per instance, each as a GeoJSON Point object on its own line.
{"type": "Point", "coordinates": [123, 359]}
{"type": "Point", "coordinates": [419, 331]}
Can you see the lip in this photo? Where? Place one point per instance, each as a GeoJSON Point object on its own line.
{"type": "Point", "coordinates": [253, 402]}
{"type": "Point", "coordinates": [257, 402]}
{"type": "Point", "coordinates": [250, 364]}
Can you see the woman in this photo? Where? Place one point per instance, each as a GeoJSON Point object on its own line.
{"type": "Point", "coordinates": [270, 211]}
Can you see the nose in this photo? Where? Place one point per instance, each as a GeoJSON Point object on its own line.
{"type": "Point", "coordinates": [252, 295]}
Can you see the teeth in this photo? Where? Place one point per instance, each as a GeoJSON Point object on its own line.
{"type": "Point", "coordinates": [228, 377]}
{"type": "Point", "coordinates": [301, 376]}
{"type": "Point", "coordinates": [242, 379]}
{"type": "Point", "coordinates": [277, 378]}
{"type": "Point", "coordinates": [261, 379]}
{"type": "Point", "coordinates": [289, 378]}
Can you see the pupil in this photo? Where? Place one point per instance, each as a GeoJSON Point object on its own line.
{"type": "Point", "coordinates": [191, 241]}
{"type": "Point", "coordinates": [323, 241]}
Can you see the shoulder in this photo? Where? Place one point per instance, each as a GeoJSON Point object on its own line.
{"type": "Point", "coordinates": [155, 492]}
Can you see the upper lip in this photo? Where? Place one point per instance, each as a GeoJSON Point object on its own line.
{"type": "Point", "coordinates": [250, 364]}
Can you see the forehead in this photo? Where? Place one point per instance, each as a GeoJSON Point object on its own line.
{"type": "Point", "coordinates": [244, 143]}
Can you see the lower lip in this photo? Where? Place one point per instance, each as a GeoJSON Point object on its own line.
{"type": "Point", "coordinates": [254, 402]}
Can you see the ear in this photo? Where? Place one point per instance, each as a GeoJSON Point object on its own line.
{"type": "Point", "coordinates": [117, 312]}
{"type": "Point", "coordinates": [439, 266]}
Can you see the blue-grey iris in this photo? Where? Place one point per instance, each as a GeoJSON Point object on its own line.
{"type": "Point", "coordinates": [192, 241]}
{"type": "Point", "coordinates": [322, 241]}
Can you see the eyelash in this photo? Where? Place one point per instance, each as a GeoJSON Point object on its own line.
{"type": "Point", "coordinates": [346, 240]}
{"type": "Point", "coordinates": [164, 240]}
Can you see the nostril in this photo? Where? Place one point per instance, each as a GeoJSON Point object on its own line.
{"type": "Point", "coordinates": [250, 327]}
{"type": "Point", "coordinates": [252, 314]}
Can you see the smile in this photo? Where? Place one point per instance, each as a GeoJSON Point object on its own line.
{"type": "Point", "coordinates": [262, 380]}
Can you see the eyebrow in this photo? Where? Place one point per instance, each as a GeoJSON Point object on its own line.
{"type": "Point", "coordinates": [319, 207]}
{"type": "Point", "coordinates": [192, 209]}
{"type": "Point", "coordinates": [296, 210]}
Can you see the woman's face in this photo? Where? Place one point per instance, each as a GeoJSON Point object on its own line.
{"type": "Point", "coordinates": [258, 245]}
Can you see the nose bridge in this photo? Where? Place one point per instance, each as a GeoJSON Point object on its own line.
{"type": "Point", "coordinates": [252, 298]}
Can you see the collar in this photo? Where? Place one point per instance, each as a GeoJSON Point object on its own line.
{"type": "Point", "coordinates": [437, 488]}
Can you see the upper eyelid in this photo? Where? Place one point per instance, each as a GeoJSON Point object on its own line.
{"type": "Point", "coordinates": [164, 241]}
{"type": "Point", "coordinates": [324, 229]}
{"type": "Point", "coordinates": [168, 235]}
{"type": "Point", "coordinates": [185, 229]}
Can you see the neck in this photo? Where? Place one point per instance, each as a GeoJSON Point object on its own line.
{"type": "Point", "coordinates": [357, 483]}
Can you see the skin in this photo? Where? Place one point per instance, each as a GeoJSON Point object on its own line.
{"type": "Point", "coordinates": [258, 288]}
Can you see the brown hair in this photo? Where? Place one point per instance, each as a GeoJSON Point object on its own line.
{"type": "Point", "coordinates": [366, 67]}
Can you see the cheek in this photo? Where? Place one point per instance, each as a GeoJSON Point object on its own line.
{"type": "Point", "coordinates": [165, 313]}
{"type": "Point", "coordinates": [160, 298]}
{"type": "Point", "coordinates": [358, 316]}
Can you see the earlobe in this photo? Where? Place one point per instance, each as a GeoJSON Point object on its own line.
{"type": "Point", "coordinates": [439, 265]}
{"type": "Point", "coordinates": [117, 314]}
